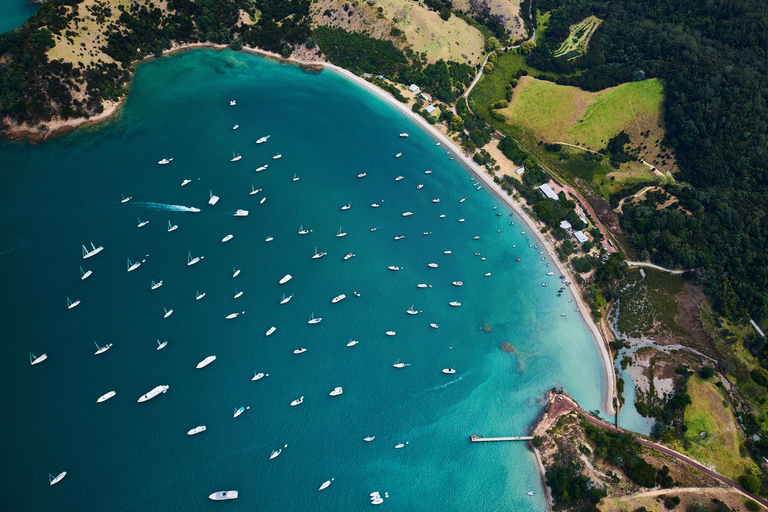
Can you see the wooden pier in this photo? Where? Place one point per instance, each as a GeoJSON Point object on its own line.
{"type": "Point", "coordinates": [481, 439]}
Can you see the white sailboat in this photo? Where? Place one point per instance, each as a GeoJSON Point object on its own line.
{"type": "Point", "coordinates": [313, 320]}
{"type": "Point", "coordinates": [101, 350]}
{"type": "Point", "coordinates": [141, 223]}
{"type": "Point", "coordinates": [212, 199]}
{"type": "Point", "coordinates": [326, 484]}
{"type": "Point", "coordinates": [412, 311]}
{"type": "Point", "coordinates": [94, 251]}
{"type": "Point", "coordinates": [199, 295]}
{"type": "Point", "coordinates": [263, 167]}
{"type": "Point", "coordinates": [71, 304]}
{"type": "Point", "coordinates": [254, 191]}
{"type": "Point", "coordinates": [172, 227]}
{"type": "Point", "coordinates": [168, 312]}
{"type": "Point", "coordinates": [277, 156]}
{"type": "Point", "coordinates": [238, 294]}
{"type": "Point", "coordinates": [263, 139]}
{"type": "Point", "coordinates": [85, 274]}
{"type": "Point", "coordinates": [235, 157]}
{"type": "Point", "coordinates": [33, 359]}
{"type": "Point", "coordinates": [295, 178]}
{"type": "Point", "coordinates": [340, 234]}
{"type": "Point", "coordinates": [133, 266]}
{"type": "Point", "coordinates": [161, 346]}
{"type": "Point", "coordinates": [54, 480]}
{"type": "Point", "coordinates": [191, 260]}
{"type": "Point", "coordinates": [318, 255]}
{"type": "Point", "coordinates": [186, 182]}
{"type": "Point", "coordinates": [125, 199]}
{"type": "Point", "coordinates": [398, 364]}
{"type": "Point", "coordinates": [155, 286]}
{"type": "Point", "coordinates": [285, 299]}
{"type": "Point", "coordinates": [236, 272]}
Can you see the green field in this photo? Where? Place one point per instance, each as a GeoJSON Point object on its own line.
{"type": "Point", "coordinates": [707, 414]}
{"type": "Point", "coordinates": [577, 41]}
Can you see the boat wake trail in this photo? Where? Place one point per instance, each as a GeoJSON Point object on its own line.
{"type": "Point", "coordinates": [442, 386]}
{"type": "Point", "coordinates": [165, 207]}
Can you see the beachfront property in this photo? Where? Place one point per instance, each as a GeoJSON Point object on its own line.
{"type": "Point", "coordinates": [580, 237]}
{"type": "Point", "coordinates": [414, 89]}
{"type": "Point", "coordinates": [548, 192]}
{"type": "Point", "coordinates": [430, 108]}
{"type": "Point", "coordinates": [520, 170]}
{"type": "Point", "coordinates": [566, 225]}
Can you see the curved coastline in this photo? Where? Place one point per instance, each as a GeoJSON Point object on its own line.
{"type": "Point", "coordinates": [61, 127]}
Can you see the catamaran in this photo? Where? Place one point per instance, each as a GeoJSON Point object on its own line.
{"type": "Point", "coordinates": [33, 359]}
{"type": "Point", "coordinates": [171, 227]}
{"type": "Point", "coordinates": [101, 350]}
{"type": "Point", "coordinates": [95, 250]}
{"type": "Point", "coordinates": [85, 274]}
{"type": "Point", "coordinates": [133, 266]}
{"type": "Point", "coordinates": [71, 304]}
{"type": "Point", "coordinates": [191, 260]}
{"type": "Point", "coordinates": [155, 286]}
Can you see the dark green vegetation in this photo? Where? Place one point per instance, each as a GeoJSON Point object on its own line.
{"type": "Point", "coordinates": [359, 52]}
{"type": "Point", "coordinates": [32, 89]}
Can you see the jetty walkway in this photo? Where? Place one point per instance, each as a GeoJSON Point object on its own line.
{"type": "Point", "coordinates": [481, 439]}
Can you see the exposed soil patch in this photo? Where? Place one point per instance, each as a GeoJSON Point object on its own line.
{"type": "Point", "coordinates": [689, 318]}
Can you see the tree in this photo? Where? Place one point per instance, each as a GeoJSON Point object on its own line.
{"type": "Point", "coordinates": [760, 375]}
{"type": "Point", "coordinates": [488, 67]}
{"type": "Point", "coordinates": [457, 123]}
{"type": "Point", "coordinates": [445, 13]}
{"type": "Point", "coordinates": [492, 44]}
{"type": "Point", "coordinates": [750, 482]}
{"type": "Point", "coordinates": [567, 247]}
{"type": "Point", "coordinates": [537, 441]}
{"type": "Point", "coordinates": [527, 46]}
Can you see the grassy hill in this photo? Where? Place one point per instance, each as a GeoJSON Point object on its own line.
{"type": "Point", "coordinates": [577, 41]}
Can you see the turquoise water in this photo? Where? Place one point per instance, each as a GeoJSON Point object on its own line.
{"type": "Point", "coordinates": [15, 13]}
{"type": "Point", "coordinates": [124, 455]}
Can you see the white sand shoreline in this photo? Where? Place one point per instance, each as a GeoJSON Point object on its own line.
{"type": "Point", "coordinates": [468, 162]}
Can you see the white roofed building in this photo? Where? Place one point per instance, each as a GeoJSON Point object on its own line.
{"type": "Point", "coordinates": [414, 89]}
{"type": "Point", "coordinates": [580, 237]}
{"type": "Point", "coordinates": [548, 192]}
{"type": "Point", "coordinates": [566, 225]}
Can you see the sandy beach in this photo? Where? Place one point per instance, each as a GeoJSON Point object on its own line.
{"type": "Point", "coordinates": [58, 127]}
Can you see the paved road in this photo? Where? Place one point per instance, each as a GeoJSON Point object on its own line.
{"type": "Point", "coordinates": [651, 265]}
{"type": "Point", "coordinates": [679, 456]}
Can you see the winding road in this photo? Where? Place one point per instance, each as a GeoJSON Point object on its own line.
{"type": "Point", "coordinates": [651, 265]}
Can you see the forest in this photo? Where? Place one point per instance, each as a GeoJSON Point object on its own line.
{"type": "Point", "coordinates": [712, 58]}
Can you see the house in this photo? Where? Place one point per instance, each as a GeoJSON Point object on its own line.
{"type": "Point", "coordinates": [548, 192]}
{"type": "Point", "coordinates": [426, 97]}
{"type": "Point", "coordinates": [430, 108]}
{"type": "Point", "coordinates": [580, 237]}
{"type": "Point", "coordinates": [520, 170]}
{"type": "Point", "coordinates": [414, 89]}
{"type": "Point", "coordinates": [566, 225]}
{"type": "Point", "coordinates": [367, 75]}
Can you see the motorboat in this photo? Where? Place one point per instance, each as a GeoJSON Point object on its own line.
{"type": "Point", "coordinates": [106, 396]}
{"type": "Point", "coordinates": [157, 390]}
{"type": "Point", "coordinates": [238, 295]}
{"type": "Point", "coordinates": [125, 199]}
{"type": "Point", "coordinates": [427, 172]}
{"type": "Point", "coordinates": [446, 252]}
{"type": "Point", "coordinates": [298, 401]}
{"type": "Point", "coordinates": [337, 391]}
{"type": "Point", "coordinates": [232, 315]}
{"type": "Point", "coordinates": [461, 220]}
{"type": "Point", "coordinates": [399, 237]}
{"type": "Point", "coordinates": [303, 231]}
{"type": "Point", "coordinates": [227, 238]}
{"type": "Point", "coordinates": [299, 351]}
{"type": "Point", "coordinates": [339, 234]}
{"type": "Point", "coordinates": [257, 376]}
{"type": "Point", "coordinates": [285, 279]}
{"type": "Point", "coordinates": [422, 285]}
{"type": "Point", "coordinates": [194, 210]}
{"type": "Point", "coordinates": [285, 299]}
{"type": "Point", "coordinates": [399, 446]}
{"type": "Point", "coordinates": [463, 199]}
{"type": "Point", "coordinates": [449, 371]}
{"type": "Point", "coordinates": [262, 200]}
{"type": "Point", "coordinates": [172, 227]}
{"type": "Point", "coordinates": [412, 311]}
{"type": "Point", "coordinates": [393, 267]}
{"type": "Point", "coordinates": [133, 266]}
{"type": "Point", "coordinates": [85, 274]}
{"type": "Point", "coordinates": [101, 350]}
{"type": "Point", "coordinates": [338, 298]}
{"type": "Point", "coordinates": [419, 186]}
{"type": "Point", "coordinates": [199, 295]}
{"type": "Point", "coordinates": [54, 480]}
{"type": "Point", "coordinates": [349, 255]}
{"type": "Point", "coordinates": [161, 346]}
{"type": "Point", "coordinates": [434, 326]}
{"type": "Point", "coordinates": [205, 362]}
{"type": "Point", "coordinates": [263, 139]}
{"type": "Point", "coordinates": [390, 333]}
{"type": "Point", "coordinates": [295, 178]}
{"type": "Point", "coordinates": [454, 304]}
{"type": "Point", "coordinates": [236, 127]}
{"type": "Point", "coordinates": [223, 495]}
{"type": "Point", "coordinates": [362, 175]}
{"type": "Point", "coordinates": [313, 320]}
{"type": "Point", "coordinates": [404, 135]}
{"type": "Point", "coordinates": [196, 430]}
{"type": "Point", "coordinates": [254, 191]}
{"type": "Point", "coordinates": [436, 200]}
{"type": "Point", "coordinates": [241, 213]}
{"type": "Point", "coordinates": [232, 103]}
{"type": "Point", "coordinates": [277, 156]}
{"type": "Point", "coordinates": [550, 273]}
{"type": "Point", "coordinates": [263, 167]}
{"type": "Point", "coordinates": [269, 238]}
{"type": "Point", "coordinates": [165, 161]}
{"type": "Point", "coordinates": [457, 283]}
{"type": "Point", "coordinates": [432, 265]}
{"type": "Point", "coordinates": [398, 155]}
{"type": "Point", "coordinates": [239, 411]}
{"type": "Point", "coordinates": [478, 238]}
{"type": "Point", "coordinates": [212, 199]}
{"type": "Point", "coordinates": [141, 223]}
{"type": "Point", "coordinates": [236, 272]}
{"type": "Point", "coordinates": [399, 178]}
{"type": "Point", "coordinates": [407, 214]}
{"type": "Point", "coordinates": [318, 255]}
{"type": "Point", "coordinates": [186, 182]}
{"type": "Point", "coordinates": [375, 205]}
{"type": "Point", "coordinates": [357, 294]}
{"type": "Point", "coordinates": [326, 484]}
{"type": "Point", "coordinates": [369, 439]}
{"type": "Point", "coordinates": [531, 493]}
{"type": "Point", "coordinates": [168, 312]}
{"type": "Point", "coordinates": [33, 359]}
{"type": "Point", "coordinates": [352, 343]}
{"type": "Point", "coordinates": [94, 251]}
{"type": "Point", "coordinates": [270, 331]}
{"type": "Point", "coordinates": [487, 274]}
{"type": "Point", "coordinates": [442, 216]}
{"type": "Point", "coordinates": [235, 157]}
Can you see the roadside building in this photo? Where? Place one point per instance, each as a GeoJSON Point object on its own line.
{"type": "Point", "coordinates": [580, 237]}
{"type": "Point", "coordinates": [548, 192]}
{"type": "Point", "coordinates": [426, 97]}
{"type": "Point", "coordinates": [520, 170]}
{"type": "Point", "coordinates": [414, 89]}
{"type": "Point", "coordinates": [566, 225]}
{"type": "Point", "coordinates": [430, 109]}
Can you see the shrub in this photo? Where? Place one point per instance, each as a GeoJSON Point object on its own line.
{"type": "Point", "coordinates": [752, 505]}
{"type": "Point", "coordinates": [706, 373]}
{"type": "Point", "coordinates": [750, 483]}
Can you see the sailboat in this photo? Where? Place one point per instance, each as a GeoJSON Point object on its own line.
{"type": "Point", "coordinates": [199, 295]}
{"type": "Point", "coordinates": [254, 191]}
{"type": "Point", "coordinates": [314, 320]}
{"type": "Point", "coordinates": [191, 260]}
{"type": "Point", "coordinates": [398, 364]}
{"type": "Point", "coordinates": [142, 223]}
{"type": "Point", "coordinates": [95, 250]}
{"type": "Point", "coordinates": [33, 359]}
{"type": "Point", "coordinates": [326, 484]}
{"type": "Point", "coordinates": [101, 350]}
{"type": "Point", "coordinates": [235, 157]}
{"type": "Point", "coordinates": [54, 480]}
{"type": "Point", "coordinates": [173, 227]}
{"type": "Point", "coordinates": [125, 199]}
{"type": "Point", "coordinates": [275, 453]}
{"type": "Point", "coordinates": [162, 345]}
{"type": "Point", "coordinates": [340, 234]}
{"type": "Point", "coordinates": [155, 285]}
{"type": "Point", "coordinates": [212, 199]}
{"type": "Point", "coordinates": [286, 299]}
{"type": "Point", "coordinates": [168, 312]}
{"type": "Point", "coordinates": [85, 275]}
{"type": "Point", "coordinates": [71, 304]}
{"type": "Point", "coordinates": [133, 266]}
{"type": "Point", "coordinates": [295, 178]}
{"type": "Point", "coordinates": [317, 254]}
{"type": "Point", "coordinates": [412, 311]}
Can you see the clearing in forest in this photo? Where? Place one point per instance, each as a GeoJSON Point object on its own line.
{"type": "Point", "coordinates": [578, 39]}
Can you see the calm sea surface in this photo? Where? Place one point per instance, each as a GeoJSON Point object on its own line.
{"type": "Point", "coordinates": [15, 13]}
{"type": "Point", "coordinates": [124, 455]}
